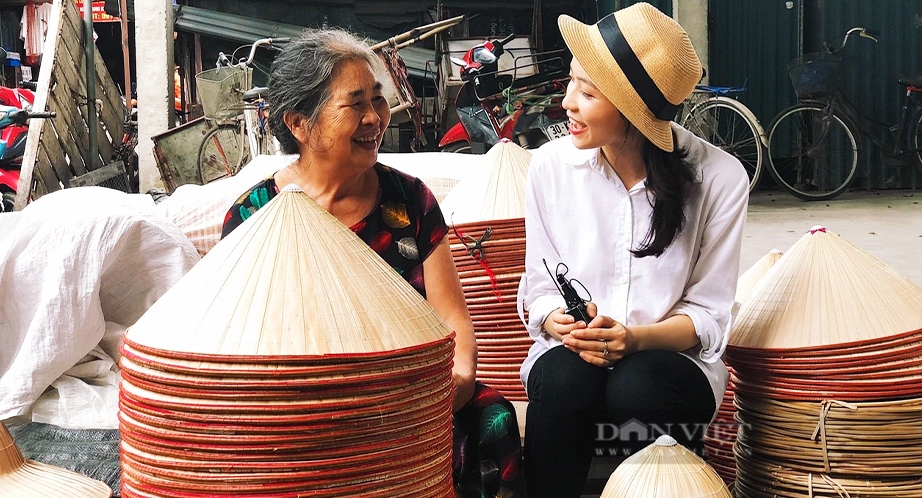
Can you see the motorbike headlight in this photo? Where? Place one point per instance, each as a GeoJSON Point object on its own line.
{"type": "Point", "coordinates": [484, 56]}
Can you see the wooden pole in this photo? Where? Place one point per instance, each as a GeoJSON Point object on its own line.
{"type": "Point", "coordinates": [90, 56]}
{"type": "Point", "coordinates": [126, 56]}
{"type": "Point", "coordinates": [416, 32]}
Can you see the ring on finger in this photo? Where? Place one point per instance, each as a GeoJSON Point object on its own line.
{"type": "Point", "coordinates": [605, 349]}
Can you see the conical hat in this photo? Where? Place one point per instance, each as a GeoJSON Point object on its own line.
{"type": "Point", "coordinates": [826, 291]}
{"type": "Point", "coordinates": [496, 194]}
{"type": "Point", "coordinates": [750, 279]}
{"type": "Point", "coordinates": [665, 469]}
{"type": "Point", "coordinates": [291, 281]}
{"type": "Point", "coordinates": [21, 478]}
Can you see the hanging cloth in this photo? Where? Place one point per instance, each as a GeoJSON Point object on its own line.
{"type": "Point", "coordinates": [34, 28]}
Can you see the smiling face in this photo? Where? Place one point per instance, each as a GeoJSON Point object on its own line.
{"type": "Point", "coordinates": [351, 125]}
{"type": "Point", "coordinates": [594, 120]}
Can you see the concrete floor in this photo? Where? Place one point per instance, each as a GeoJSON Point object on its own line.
{"type": "Point", "coordinates": [887, 224]}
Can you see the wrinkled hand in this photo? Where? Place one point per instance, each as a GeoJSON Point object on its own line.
{"type": "Point", "coordinates": [464, 380]}
{"type": "Point", "coordinates": [603, 342]}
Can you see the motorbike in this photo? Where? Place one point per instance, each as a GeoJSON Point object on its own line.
{"type": "Point", "coordinates": [13, 132]}
{"type": "Point", "coordinates": [494, 104]}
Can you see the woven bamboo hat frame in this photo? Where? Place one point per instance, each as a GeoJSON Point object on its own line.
{"type": "Point", "coordinates": [826, 291]}
{"type": "Point", "coordinates": [21, 478]}
{"type": "Point", "coordinates": [498, 193]}
{"type": "Point", "coordinates": [642, 61]}
{"type": "Point", "coordinates": [664, 469]}
{"type": "Point", "coordinates": [856, 440]}
{"type": "Point", "coordinates": [284, 284]}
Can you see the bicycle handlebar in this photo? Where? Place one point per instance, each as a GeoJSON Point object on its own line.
{"type": "Point", "coordinates": [507, 39]}
{"type": "Point", "coordinates": [862, 32]}
{"type": "Point", "coordinates": [222, 59]}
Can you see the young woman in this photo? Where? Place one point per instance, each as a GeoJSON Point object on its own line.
{"type": "Point", "coordinates": [648, 218]}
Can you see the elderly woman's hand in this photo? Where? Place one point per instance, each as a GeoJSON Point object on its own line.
{"type": "Point", "coordinates": [463, 377]}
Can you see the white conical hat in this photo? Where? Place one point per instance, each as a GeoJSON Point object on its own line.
{"type": "Point", "coordinates": [750, 279]}
{"type": "Point", "coordinates": [496, 194]}
{"type": "Point", "coordinates": [21, 478]}
{"type": "Point", "coordinates": [826, 291]}
{"type": "Point", "coordinates": [665, 469]}
{"type": "Point", "coordinates": [290, 281]}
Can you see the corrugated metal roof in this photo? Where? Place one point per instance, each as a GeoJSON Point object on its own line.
{"type": "Point", "coordinates": [244, 29]}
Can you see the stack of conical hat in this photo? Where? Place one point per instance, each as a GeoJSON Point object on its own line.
{"type": "Point", "coordinates": [290, 361]}
{"type": "Point", "coordinates": [21, 478]}
{"type": "Point", "coordinates": [830, 334]}
{"type": "Point", "coordinates": [487, 213]}
{"type": "Point", "coordinates": [665, 469]}
{"type": "Point", "coordinates": [721, 434]}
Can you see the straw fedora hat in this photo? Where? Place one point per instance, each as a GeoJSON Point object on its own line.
{"type": "Point", "coordinates": [642, 61]}
{"type": "Point", "coordinates": [21, 478]}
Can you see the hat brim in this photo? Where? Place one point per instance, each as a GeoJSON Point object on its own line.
{"type": "Point", "coordinates": [39, 479]}
{"type": "Point", "coordinates": [588, 47]}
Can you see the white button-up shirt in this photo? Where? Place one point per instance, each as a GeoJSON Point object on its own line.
{"type": "Point", "coordinates": [578, 212]}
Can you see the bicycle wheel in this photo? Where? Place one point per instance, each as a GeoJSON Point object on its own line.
{"type": "Point", "coordinates": [916, 139]}
{"type": "Point", "coordinates": [222, 153]}
{"type": "Point", "coordinates": [812, 152]}
{"type": "Point", "coordinates": [730, 125]}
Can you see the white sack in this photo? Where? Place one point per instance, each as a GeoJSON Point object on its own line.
{"type": "Point", "coordinates": [70, 262]}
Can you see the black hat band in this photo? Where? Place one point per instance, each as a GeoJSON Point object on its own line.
{"type": "Point", "coordinates": [634, 71]}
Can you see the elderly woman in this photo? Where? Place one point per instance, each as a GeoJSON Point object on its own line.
{"type": "Point", "coordinates": [328, 107]}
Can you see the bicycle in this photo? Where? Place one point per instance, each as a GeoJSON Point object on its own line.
{"type": "Point", "coordinates": [239, 114]}
{"type": "Point", "coordinates": [712, 113]}
{"type": "Point", "coordinates": [814, 146]}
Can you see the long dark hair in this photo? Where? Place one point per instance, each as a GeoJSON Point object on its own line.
{"type": "Point", "coordinates": [669, 176]}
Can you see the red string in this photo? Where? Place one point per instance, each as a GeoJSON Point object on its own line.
{"type": "Point", "coordinates": [477, 249]}
{"type": "Point", "coordinates": [496, 292]}
{"type": "Point", "coordinates": [814, 230]}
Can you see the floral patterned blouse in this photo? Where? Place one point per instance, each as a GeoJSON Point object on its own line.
{"type": "Point", "coordinates": [404, 228]}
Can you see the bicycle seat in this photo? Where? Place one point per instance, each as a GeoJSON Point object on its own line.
{"type": "Point", "coordinates": [722, 91]}
{"type": "Point", "coordinates": [254, 94]}
{"type": "Point", "coordinates": [911, 80]}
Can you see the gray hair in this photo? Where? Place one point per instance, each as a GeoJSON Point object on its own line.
{"type": "Point", "coordinates": [300, 77]}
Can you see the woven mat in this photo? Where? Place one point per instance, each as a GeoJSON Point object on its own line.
{"type": "Point", "coordinates": [94, 453]}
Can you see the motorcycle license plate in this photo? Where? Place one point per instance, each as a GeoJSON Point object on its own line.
{"type": "Point", "coordinates": [557, 130]}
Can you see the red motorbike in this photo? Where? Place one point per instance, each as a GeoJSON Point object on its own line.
{"type": "Point", "coordinates": [494, 104]}
{"type": "Point", "coordinates": [15, 105]}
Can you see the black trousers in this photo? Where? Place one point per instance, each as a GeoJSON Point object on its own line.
{"type": "Point", "coordinates": [576, 409]}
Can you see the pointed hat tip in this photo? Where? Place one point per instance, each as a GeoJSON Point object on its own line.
{"type": "Point", "coordinates": [292, 187]}
{"type": "Point", "coordinates": [817, 228]}
{"type": "Point", "coordinates": [666, 440]}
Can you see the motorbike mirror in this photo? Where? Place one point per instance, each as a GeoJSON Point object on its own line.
{"type": "Point", "coordinates": [458, 62]}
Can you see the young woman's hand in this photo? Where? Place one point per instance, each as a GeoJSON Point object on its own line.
{"type": "Point", "coordinates": [603, 342]}
{"type": "Point", "coordinates": [560, 324]}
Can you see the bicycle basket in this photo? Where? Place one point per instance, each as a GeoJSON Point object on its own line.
{"type": "Point", "coordinates": [815, 75]}
{"type": "Point", "coordinates": [220, 90]}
